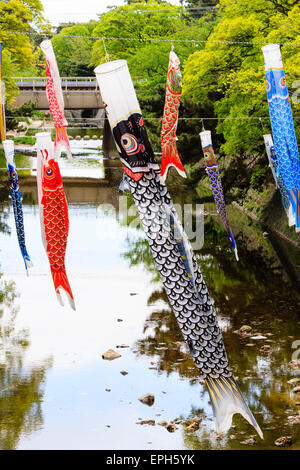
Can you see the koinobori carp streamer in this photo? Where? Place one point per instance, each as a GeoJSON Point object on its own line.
{"type": "Point", "coordinates": [16, 197]}
{"type": "Point", "coordinates": [171, 250]}
{"type": "Point", "coordinates": [170, 156]}
{"type": "Point", "coordinates": [283, 128]}
{"type": "Point", "coordinates": [273, 164]}
{"type": "Point", "coordinates": [53, 213]}
{"type": "Point", "coordinates": [56, 100]}
{"type": "Point", "coordinates": [212, 170]}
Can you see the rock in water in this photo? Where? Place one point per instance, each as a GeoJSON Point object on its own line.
{"type": "Point", "coordinates": [110, 354]}
{"type": "Point", "coordinates": [150, 422]}
{"type": "Point", "coordinates": [147, 399]}
{"type": "Point", "coordinates": [266, 349]}
{"type": "Point", "coordinates": [245, 329]}
{"type": "Point", "coordinates": [251, 441]}
{"type": "Point", "coordinates": [163, 423]}
{"type": "Point", "coordinates": [171, 427]}
{"type": "Point", "coordinates": [284, 441]}
{"type": "Point", "coordinates": [294, 419]}
{"type": "Point", "coordinates": [294, 381]}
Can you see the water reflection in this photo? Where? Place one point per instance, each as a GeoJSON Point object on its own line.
{"type": "Point", "coordinates": [21, 386]}
{"type": "Point", "coordinates": [70, 406]}
{"type": "Point", "coordinates": [257, 292]}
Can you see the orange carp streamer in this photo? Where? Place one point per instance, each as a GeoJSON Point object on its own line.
{"type": "Point", "coordinates": [170, 156]}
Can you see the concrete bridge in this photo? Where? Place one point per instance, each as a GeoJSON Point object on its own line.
{"type": "Point", "coordinates": [79, 92]}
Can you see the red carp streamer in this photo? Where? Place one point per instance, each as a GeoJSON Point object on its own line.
{"type": "Point", "coordinates": [170, 156]}
{"type": "Point", "coordinates": [56, 101]}
{"type": "Point", "coordinates": [54, 214]}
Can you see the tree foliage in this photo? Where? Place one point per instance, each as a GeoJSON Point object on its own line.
{"type": "Point", "coordinates": [148, 59]}
{"type": "Point", "coordinates": [230, 77]}
{"type": "Point", "coordinates": [18, 16]}
{"type": "Point", "coordinates": [138, 22]}
{"type": "Point", "coordinates": [74, 54]}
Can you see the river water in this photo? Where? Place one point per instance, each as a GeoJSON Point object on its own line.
{"type": "Point", "coordinates": [56, 391]}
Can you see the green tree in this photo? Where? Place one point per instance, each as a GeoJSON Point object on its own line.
{"type": "Point", "coordinates": [230, 77]}
{"type": "Point", "coordinates": [74, 54]}
{"type": "Point", "coordinates": [199, 8]}
{"type": "Point", "coordinates": [17, 17]}
{"type": "Point", "coordinates": [148, 59]}
{"type": "Point", "coordinates": [138, 22]}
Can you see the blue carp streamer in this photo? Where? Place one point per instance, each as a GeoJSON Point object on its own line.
{"type": "Point", "coordinates": [15, 194]}
{"type": "Point", "coordinates": [283, 128]}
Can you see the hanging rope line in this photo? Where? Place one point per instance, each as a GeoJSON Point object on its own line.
{"type": "Point", "coordinates": [153, 39]}
{"type": "Point", "coordinates": [105, 51]}
{"type": "Point", "coordinates": [154, 118]}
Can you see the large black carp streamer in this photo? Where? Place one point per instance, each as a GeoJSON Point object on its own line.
{"type": "Point", "coordinates": [170, 247]}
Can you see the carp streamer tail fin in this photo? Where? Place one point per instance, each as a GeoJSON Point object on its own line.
{"type": "Point", "coordinates": [27, 261]}
{"type": "Point", "coordinates": [62, 140]}
{"type": "Point", "coordinates": [60, 281]}
{"type": "Point", "coordinates": [227, 400]}
{"type": "Point", "coordinates": [232, 239]}
{"type": "Point", "coordinates": [170, 157]}
{"type": "Point", "coordinates": [294, 215]}
{"type": "Point", "coordinates": [298, 212]}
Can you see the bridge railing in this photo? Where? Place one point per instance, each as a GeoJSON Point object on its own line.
{"type": "Point", "coordinates": [35, 83]}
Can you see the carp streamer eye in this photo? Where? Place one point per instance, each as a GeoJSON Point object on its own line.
{"type": "Point", "coordinates": [207, 155]}
{"type": "Point", "coordinates": [129, 143]}
{"type": "Point", "coordinates": [282, 82]}
{"type": "Point", "coordinates": [49, 172]}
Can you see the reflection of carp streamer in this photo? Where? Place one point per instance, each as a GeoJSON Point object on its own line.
{"type": "Point", "coordinates": [171, 250]}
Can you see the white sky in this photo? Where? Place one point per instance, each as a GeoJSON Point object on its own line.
{"type": "Point", "coordinates": [59, 11]}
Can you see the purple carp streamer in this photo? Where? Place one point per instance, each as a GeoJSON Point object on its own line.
{"type": "Point", "coordinates": [283, 128]}
{"type": "Point", "coordinates": [170, 247]}
{"type": "Point", "coordinates": [212, 170]}
{"type": "Point", "coordinates": [170, 156]}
